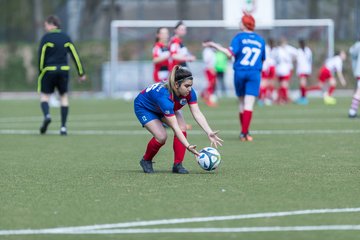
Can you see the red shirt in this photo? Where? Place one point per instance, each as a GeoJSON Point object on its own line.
{"type": "Point", "coordinates": [163, 66]}
{"type": "Point", "coordinates": [176, 46]}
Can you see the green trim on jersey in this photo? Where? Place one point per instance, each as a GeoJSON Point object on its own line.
{"type": "Point", "coordinates": [42, 56]}
{"type": "Point", "coordinates": [53, 68]}
{"type": "Point", "coordinates": [76, 57]}
{"type": "Point", "coordinates": [55, 30]}
{"type": "Point", "coordinates": [65, 68]}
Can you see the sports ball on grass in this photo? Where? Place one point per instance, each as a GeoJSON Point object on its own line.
{"type": "Point", "coordinates": [209, 158]}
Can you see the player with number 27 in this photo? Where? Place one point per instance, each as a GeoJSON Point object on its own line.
{"type": "Point", "coordinates": [248, 50]}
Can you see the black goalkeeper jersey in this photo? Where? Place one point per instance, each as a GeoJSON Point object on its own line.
{"type": "Point", "coordinates": [53, 50]}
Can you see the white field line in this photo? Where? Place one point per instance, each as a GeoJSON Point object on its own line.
{"type": "Point", "coordinates": [218, 121]}
{"type": "Point", "coordinates": [101, 228]}
{"type": "Point", "coordinates": [103, 116]}
{"type": "Point", "coordinates": [128, 123]}
{"type": "Point", "coordinates": [193, 132]}
{"type": "Point", "coordinates": [193, 230]}
{"type": "Point", "coordinates": [227, 114]}
{"type": "Point", "coordinates": [223, 230]}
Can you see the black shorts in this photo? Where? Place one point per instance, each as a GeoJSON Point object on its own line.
{"type": "Point", "coordinates": [55, 79]}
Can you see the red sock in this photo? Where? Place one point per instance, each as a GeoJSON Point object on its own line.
{"type": "Point", "coordinates": [269, 92]}
{"type": "Point", "coordinates": [262, 93]}
{"type": "Point", "coordinates": [285, 94]}
{"type": "Point", "coordinates": [246, 121]}
{"type": "Point", "coordinates": [179, 150]}
{"type": "Point", "coordinates": [280, 94]}
{"type": "Point", "coordinates": [303, 91]}
{"type": "Point", "coordinates": [152, 149]}
{"type": "Point", "coordinates": [241, 118]}
{"type": "Point", "coordinates": [331, 90]}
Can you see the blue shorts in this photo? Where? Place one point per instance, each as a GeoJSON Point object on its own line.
{"type": "Point", "coordinates": [247, 83]}
{"type": "Point", "coordinates": [144, 115]}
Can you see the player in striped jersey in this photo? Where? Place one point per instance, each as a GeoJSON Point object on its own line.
{"type": "Point", "coordinates": [180, 54]}
{"type": "Point", "coordinates": [285, 55]}
{"type": "Point", "coordinates": [267, 75]}
{"type": "Point", "coordinates": [303, 69]}
{"type": "Point", "coordinates": [326, 74]}
{"type": "Point", "coordinates": [209, 58]}
{"type": "Point", "coordinates": [161, 55]}
{"type": "Point", "coordinates": [355, 59]}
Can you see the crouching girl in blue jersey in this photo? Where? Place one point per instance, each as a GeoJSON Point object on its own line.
{"type": "Point", "coordinates": [161, 103]}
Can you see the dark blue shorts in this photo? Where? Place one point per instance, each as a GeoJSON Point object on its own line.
{"type": "Point", "coordinates": [144, 115]}
{"type": "Point", "coordinates": [247, 83]}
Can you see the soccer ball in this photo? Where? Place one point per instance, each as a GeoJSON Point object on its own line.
{"type": "Point", "coordinates": [352, 113]}
{"type": "Point", "coordinates": [209, 158]}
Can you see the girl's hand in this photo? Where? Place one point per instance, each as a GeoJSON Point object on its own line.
{"type": "Point", "coordinates": [191, 148]}
{"type": "Point", "coordinates": [214, 139]}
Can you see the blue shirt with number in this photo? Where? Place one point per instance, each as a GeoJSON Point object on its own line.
{"type": "Point", "coordinates": [248, 50]}
{"type": "Point", "coordinates": [155, 102]}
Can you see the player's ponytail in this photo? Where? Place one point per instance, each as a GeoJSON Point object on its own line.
{"type": "Point", "coordinates": [171, 82]}
{"type": "Point", "coordinates": [178, 24]}
{"type": "Point", "coordinates": [177, 76]}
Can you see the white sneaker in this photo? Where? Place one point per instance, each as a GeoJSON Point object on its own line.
{"type": "Point", "coordinates": [63, 131]}
{"type": "Point", "coordinates": [329, 100]}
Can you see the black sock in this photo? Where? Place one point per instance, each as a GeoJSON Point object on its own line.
{"type": "Point", "coordinates": [64, 113]}
{"type": "Point", "coordinates": [45, 109]}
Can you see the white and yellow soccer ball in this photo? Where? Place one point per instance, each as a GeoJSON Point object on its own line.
{"type": "Point", "coordinates": [209, 158]}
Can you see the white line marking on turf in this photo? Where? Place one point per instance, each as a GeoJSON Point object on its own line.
{"type": "Point", "coordinates": [194, 230]}
{"type": "Point", "coordinates": [223, 230]}
{"type": "Point", "coordinates": [194, 132]}
{"type": "Point", "coordinates": [93, 228]}
{"type": "Point", "coordinates": [119, 122]}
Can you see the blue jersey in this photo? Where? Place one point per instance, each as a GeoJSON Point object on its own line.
{"type": "Point", "coordinates": [248, 50]}
{"type": "Point", "coordinates": [157, 99]}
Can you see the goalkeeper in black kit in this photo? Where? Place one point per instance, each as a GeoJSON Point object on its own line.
{"type": "Point", "coordinates": [54, 70]}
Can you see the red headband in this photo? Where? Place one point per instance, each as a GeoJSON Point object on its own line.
{"type": "Point", "coordinates": [248, 21]}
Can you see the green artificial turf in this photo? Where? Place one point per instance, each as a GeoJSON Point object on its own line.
{"type": "Point", "coordinates": [302, 157]}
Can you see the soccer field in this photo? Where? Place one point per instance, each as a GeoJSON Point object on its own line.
{"type": "Point", "coordinates": [299, 179]}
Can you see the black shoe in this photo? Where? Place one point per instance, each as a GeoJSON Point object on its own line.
{"type": "Point", "coordinates": [45, 125]}
{"type": "Point", "coordinates": [178, 168]}
{"type": "Point", "coordinates": [63, 131]}
{"type": "Point", "coordinates": [352, 116]}
{"type": "Point", "coordinates": [147, 166]}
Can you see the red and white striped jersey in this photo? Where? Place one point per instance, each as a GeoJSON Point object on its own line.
{"type": "Point", "coordinates": [161, 69]}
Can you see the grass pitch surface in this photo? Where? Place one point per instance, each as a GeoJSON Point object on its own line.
{"type": "Point", "coordinates": [302, 157]}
